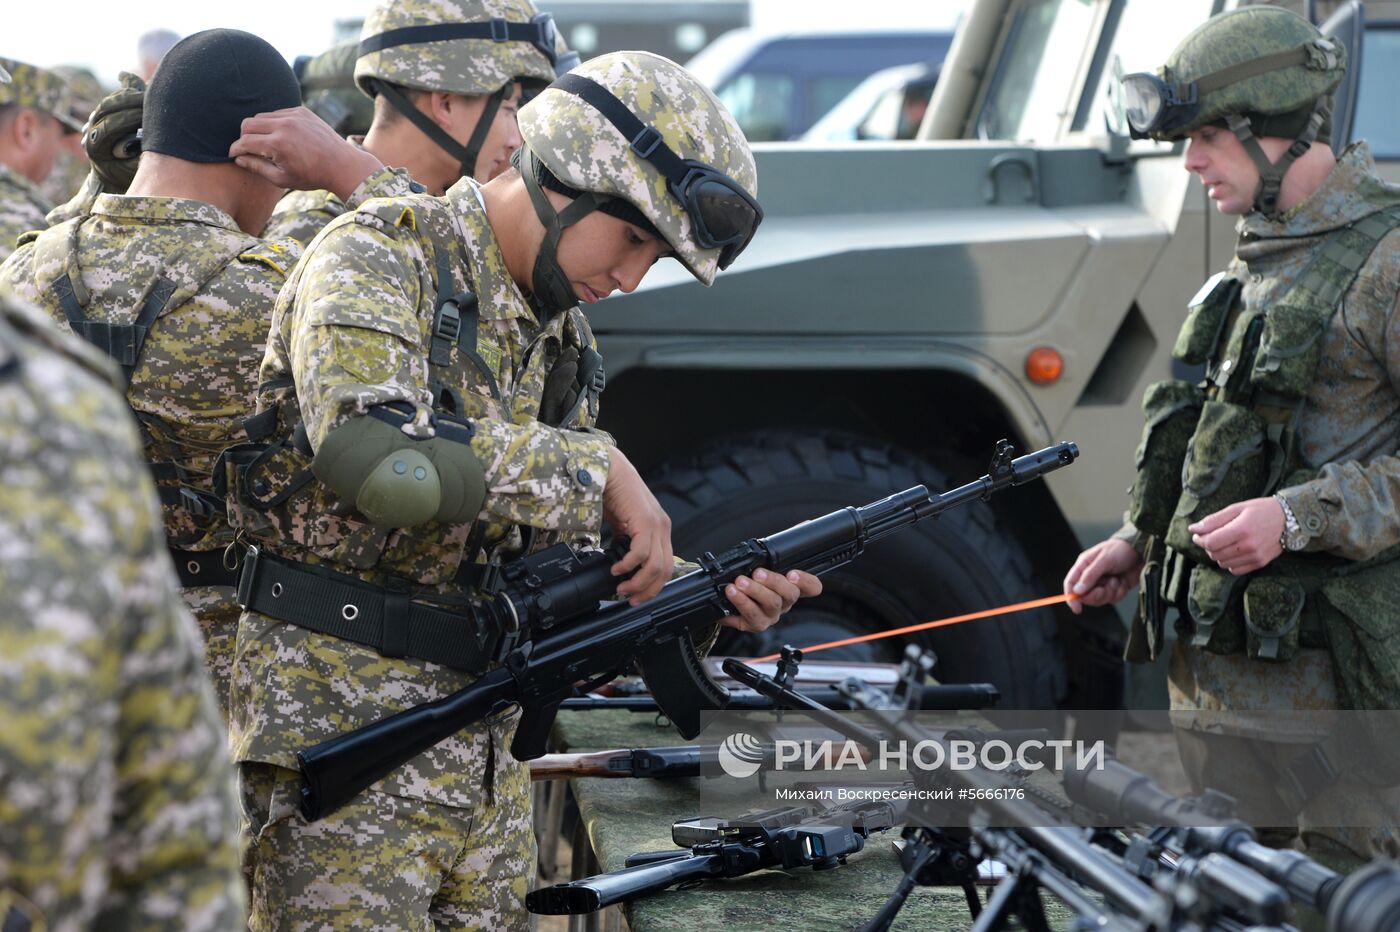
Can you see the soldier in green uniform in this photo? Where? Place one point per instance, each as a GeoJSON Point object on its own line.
{"type": "Point", "coordinates": [1277, 544]}
{"type": "Point", "coordinates": [435, 386]}
{"type": "Point", "coordinates": [445, 89]}
{"type": "Point", "coordinates": [117, 807]}
{"type": "Point", "coordinates": [172, 282]}
{"type": "Point", "coordinates": [35, 113]}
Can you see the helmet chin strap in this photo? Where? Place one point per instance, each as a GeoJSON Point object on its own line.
{"type": "Point", "coordinates": [1266, 195]}
{"type": "Point", "coordinates": [551, 290]}
{"type": "Point", "coordinates": [466, 155]}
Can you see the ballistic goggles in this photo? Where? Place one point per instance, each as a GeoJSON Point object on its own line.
{"type": "Point", "coordinates": [540, 32]}
{"type": "Point", "coordinates": [1155, 107]}
{"type": "Point", "coordinates": [722, 214]}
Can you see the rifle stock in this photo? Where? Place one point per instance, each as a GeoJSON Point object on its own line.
{"type": "Point", "coordinates": [599, 645]}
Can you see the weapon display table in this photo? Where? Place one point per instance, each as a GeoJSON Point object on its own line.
{"type": "Point", "coordinates": [624, 816]}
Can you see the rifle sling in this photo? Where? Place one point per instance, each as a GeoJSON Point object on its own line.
{"type": "Point", "coordinates": [382, 618]}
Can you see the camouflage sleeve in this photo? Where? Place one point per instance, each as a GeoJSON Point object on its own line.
{"type": "Point", "coordinates": [114, 779]}
{"type": "Point", "coordinates": [1351, 508]}
{"type": "Point", "coordinates": [357, 343]}
{"type": "Point", "coordinates": [172, 838]}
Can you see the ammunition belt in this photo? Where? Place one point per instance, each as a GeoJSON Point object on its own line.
{"type": "Point", "coordinates": [203, 568]}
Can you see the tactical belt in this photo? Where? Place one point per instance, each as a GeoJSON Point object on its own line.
{"type": "Point", "coordinates": [203, 568]}
{"type": "Point", "coordinates": [383, 618]}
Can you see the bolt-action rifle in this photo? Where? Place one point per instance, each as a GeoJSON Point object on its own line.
{"type": "Point", "coordinates": [561, 650]}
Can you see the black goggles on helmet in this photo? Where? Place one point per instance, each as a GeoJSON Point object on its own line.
{"type": "Point", "coordinates": [540, 32]}
{"type": "Point", "coordinates": [1156, 107]}
{"type": "Point", "coordinates": [722, 214]}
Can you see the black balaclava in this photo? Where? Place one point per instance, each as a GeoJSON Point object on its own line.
{"type": "Point", "coordinates": [204, 89]}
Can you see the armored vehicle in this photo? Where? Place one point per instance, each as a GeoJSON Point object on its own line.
{"type": "Point", "coordinates": [1019, 271]}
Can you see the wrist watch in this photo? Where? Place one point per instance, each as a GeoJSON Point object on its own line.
{"type": "Point", "coordinates": [1293, 537]}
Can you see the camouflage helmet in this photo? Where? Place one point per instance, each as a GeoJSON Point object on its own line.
{"type": "Point", "coordinates": [571, 132]}
{"type": "Point", "coordinates": [1261, 71]}
{"type": "Point", "coordinates": [328, 89]}
{"type": "Point", "coordinates": [468, 47]}
{"type": "Point", "coordinates": [1267, 64]}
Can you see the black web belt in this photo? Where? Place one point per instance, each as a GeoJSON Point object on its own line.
{"type": "Point", "coordinates": [383, 618]}
{"type": "Point", "coordinates": [203, 568]}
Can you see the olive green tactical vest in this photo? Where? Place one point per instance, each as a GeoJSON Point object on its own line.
{"type": "Point", "coordinates": [1232, 437]}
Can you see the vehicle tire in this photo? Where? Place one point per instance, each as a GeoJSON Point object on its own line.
{"type": "Point", "coordinates": [754, 485]}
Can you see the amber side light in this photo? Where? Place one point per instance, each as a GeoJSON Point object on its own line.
{"type": "Point", "coordinates": [1044, 365]}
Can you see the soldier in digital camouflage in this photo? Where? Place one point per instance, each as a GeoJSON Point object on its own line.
{"type": "Point", "coordinates": [1277, 543]}
{"type": "Point", "coordinates": [171, 280]}
{"type": "Point", "coordinates": [36, 111]}
{"type": "Point", "coordinates": [445, 94]}
{"type": "Point", "coordinates": [117, 806]}
{"type": "Point", "coordinates": [435, 386]}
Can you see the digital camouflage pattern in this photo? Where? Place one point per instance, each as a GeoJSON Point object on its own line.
{"type": "Point", "coordinates": [582, 149]}
{"type": "Point", "coordinates": [197, 376]}
{"type": "Point", "coordinates": [32, 86]}
{"type": "Point", "coordinates": [71, 168]}
{"type": "Point", "coordinates": [22, 208]}
{"type": "Point", "coordinates": [424, 867]}
{"type": "Point", "coordinates": [460, 66]}
{"type": "Point", "coordinates": [351, 330]}
{"type": "Point", "coordinates": [1243, 35]}
{"type": "Point", "coordinates": [116, 797]}
{"type": "Point", "coordinates": [300, 215]}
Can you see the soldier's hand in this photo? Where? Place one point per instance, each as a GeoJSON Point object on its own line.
{"type": "Point", "coordinates": [1242, 537]}
{"type": "Point", "coordinates": [1103, 574]}
{"type": "Point", "coordinates": [634, 512]}
{"type": "Point", "coordinates": [294, 148]}
{"type": "Point", "coordinates": [765, 597]}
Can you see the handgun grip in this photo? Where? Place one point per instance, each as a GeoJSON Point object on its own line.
{"type": "Point", "coordinates": [532, 733]}
{"type": "Point", "coordinates": [678, 681]}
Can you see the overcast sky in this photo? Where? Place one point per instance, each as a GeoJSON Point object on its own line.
{"type": "Point", "coordinates": [102, 35]}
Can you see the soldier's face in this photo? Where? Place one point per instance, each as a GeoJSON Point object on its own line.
{"type": "Point", "coordinates": [601, 254]}
{"type": "Point", "coordinates": [459, 115]}
{"type": "Point", "coordinates": [1216, 156]}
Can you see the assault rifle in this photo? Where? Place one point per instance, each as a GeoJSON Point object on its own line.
{"type": "Point", "coordinates": [599, 644]}
{"type": "Point", "coordinates": [786, 838]}
{"type": "Point", "coordinates": [943, 697]}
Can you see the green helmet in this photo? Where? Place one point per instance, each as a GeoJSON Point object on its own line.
{"type": "Point", "coordinates": [636, 131]}
{"type": "Point", "coordinates": [1262, 71]}
{"type": "Point", "coordinates": [328, 89]}
{"type": "Point", "coordinates": [469, 47]}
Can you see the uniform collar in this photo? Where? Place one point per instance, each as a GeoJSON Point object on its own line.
{"type": "Point", "coordinates": [163, 210]}
{"type": "Point", "coordinates": [1350, 191]}
{"type": "Point", "coordinates": [499, 297]}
